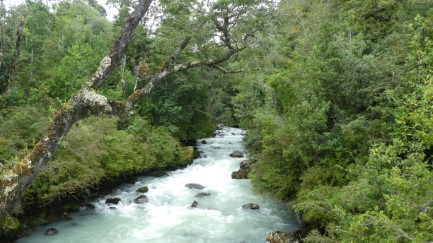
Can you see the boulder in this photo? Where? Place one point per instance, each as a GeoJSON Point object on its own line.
{"type": "Point", "coordinates": [280, 237]}
{"type": "Point", "coordinates": [252, 206]}
{"type": "Point", "coordinates": [243, 171]}
{"type": "Point", "coordinates": [51, 231]}
{"type": "Point", "coordinates": [202, 194]}
{"type": "Point", "coordinates": [113, 200]}
{"type": "Point", "coordinates": [194, 204]}
{"type": "Point", "coordinates": [194, 186]}
{"type": "Point", "coordinates": [239, 175]}
{"type": "Point", "coordinates": [203, 142]}
{"type": "Point", "coordinates": [141, 199]}
{"type": "Point", "coordinates": [143, 189]}
{"type": "Point", "coordinates": [237, 154]}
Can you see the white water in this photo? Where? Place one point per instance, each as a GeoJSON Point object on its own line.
{"type": "Point", "coordinates": [168, 216]}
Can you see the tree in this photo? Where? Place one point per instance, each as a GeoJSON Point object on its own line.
{"type": "Point", "coordinates": [223, 20]}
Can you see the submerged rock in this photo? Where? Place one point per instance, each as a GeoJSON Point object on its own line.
{"type": "Point", "coordinates": [252, 206]}
{"type": "Point", "coordinates": [113, 200]}
{"type": "Point", "coordinates": [203, 142]}
{"type": "Point", "coordinates": [243, 171]}
{"type": "Point", "coordinates": [51, 231]}
{"type": "Point", "coordinates": [141, 199]}
{"type": "Point", "coordinates": [202, 194]}
{"type": "Point", "coordinates": [143, 189]}
{"type": "Point", "coordinates": [194, 186]}
{"type": "Point", "coordinates": [237, 154]}
{"type": "Point", "coordinates": [280, 237]}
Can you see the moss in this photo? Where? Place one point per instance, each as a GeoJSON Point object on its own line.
{"type": "Point", "coordinates": [134, 97]}
{"type": "Point", "coordinates": [186, 155]}
{"type": "Point", "coordinates": [9, 227]}
{"type": "Point", "coordinates": [37, 152]}
{"type": "Point", "coordinates": [21, 168]}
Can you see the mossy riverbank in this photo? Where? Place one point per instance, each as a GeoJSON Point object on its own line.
{"type": "Point", "coordinates": [94, 158]}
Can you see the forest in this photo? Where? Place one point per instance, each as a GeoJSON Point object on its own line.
{"type": "Point", "coordinates": [334, 96]}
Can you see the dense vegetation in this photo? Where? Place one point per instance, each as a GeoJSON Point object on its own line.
{"type": "Point", "coordinates": [336, 97]}
{"type": "Point", "coordinates": [339, 117]}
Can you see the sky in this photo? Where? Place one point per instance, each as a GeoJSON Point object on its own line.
{"type": "Point", "coordinates": [110, 11]}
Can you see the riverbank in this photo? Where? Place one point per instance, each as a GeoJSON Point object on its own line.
{"type": "Point", "coordinates": [94, 159]}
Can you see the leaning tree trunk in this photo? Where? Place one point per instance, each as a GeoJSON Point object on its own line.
{"type": "Point", "coordinates": [84, 103]}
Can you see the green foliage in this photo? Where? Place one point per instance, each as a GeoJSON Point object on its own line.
{"type": "Point", "coordinates": [20, 129]}
{"type": "Point", "coordinates": [190, 106]}
{"type": "Point", "coordinates": [345, 134]}
{"type": "Point", "coordinates": [336, 97]}
{"type": "Point", "coordinates": [95, 150]}
{"type": "Point", "coordinates": [9, 226]}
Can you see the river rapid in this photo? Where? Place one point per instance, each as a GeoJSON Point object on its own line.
{"type": "Point", "coordinates": [169, 217]}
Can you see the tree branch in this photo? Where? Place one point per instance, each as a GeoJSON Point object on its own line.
{"type": "Point", "coordinates": [140, 93]}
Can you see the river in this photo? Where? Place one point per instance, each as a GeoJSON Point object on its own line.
{"type": "Point", "coordinates": [169, 217]}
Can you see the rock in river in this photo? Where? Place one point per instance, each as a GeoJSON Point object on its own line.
{"type": "Point", "coordinates": [51, 231]}
{"type": "Point", "coordinates": [143, 189]}
{"type": "Point", "coordinates": [243, 171]}
{"type": "Point", "coordinates": [237, 154]}
{"type": "Point", "coordinates": [141, 199]}
{"type": "Point", "coordinates": [194, 204]}
{"type": "Point", "coordinates": [113, 200]}
{"type": "Point", "coordinates": [279, 237]}
{"type": "Point", "coordinates": [253, 206]}
{"type": "Point", "coordinates": [194, 186]}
